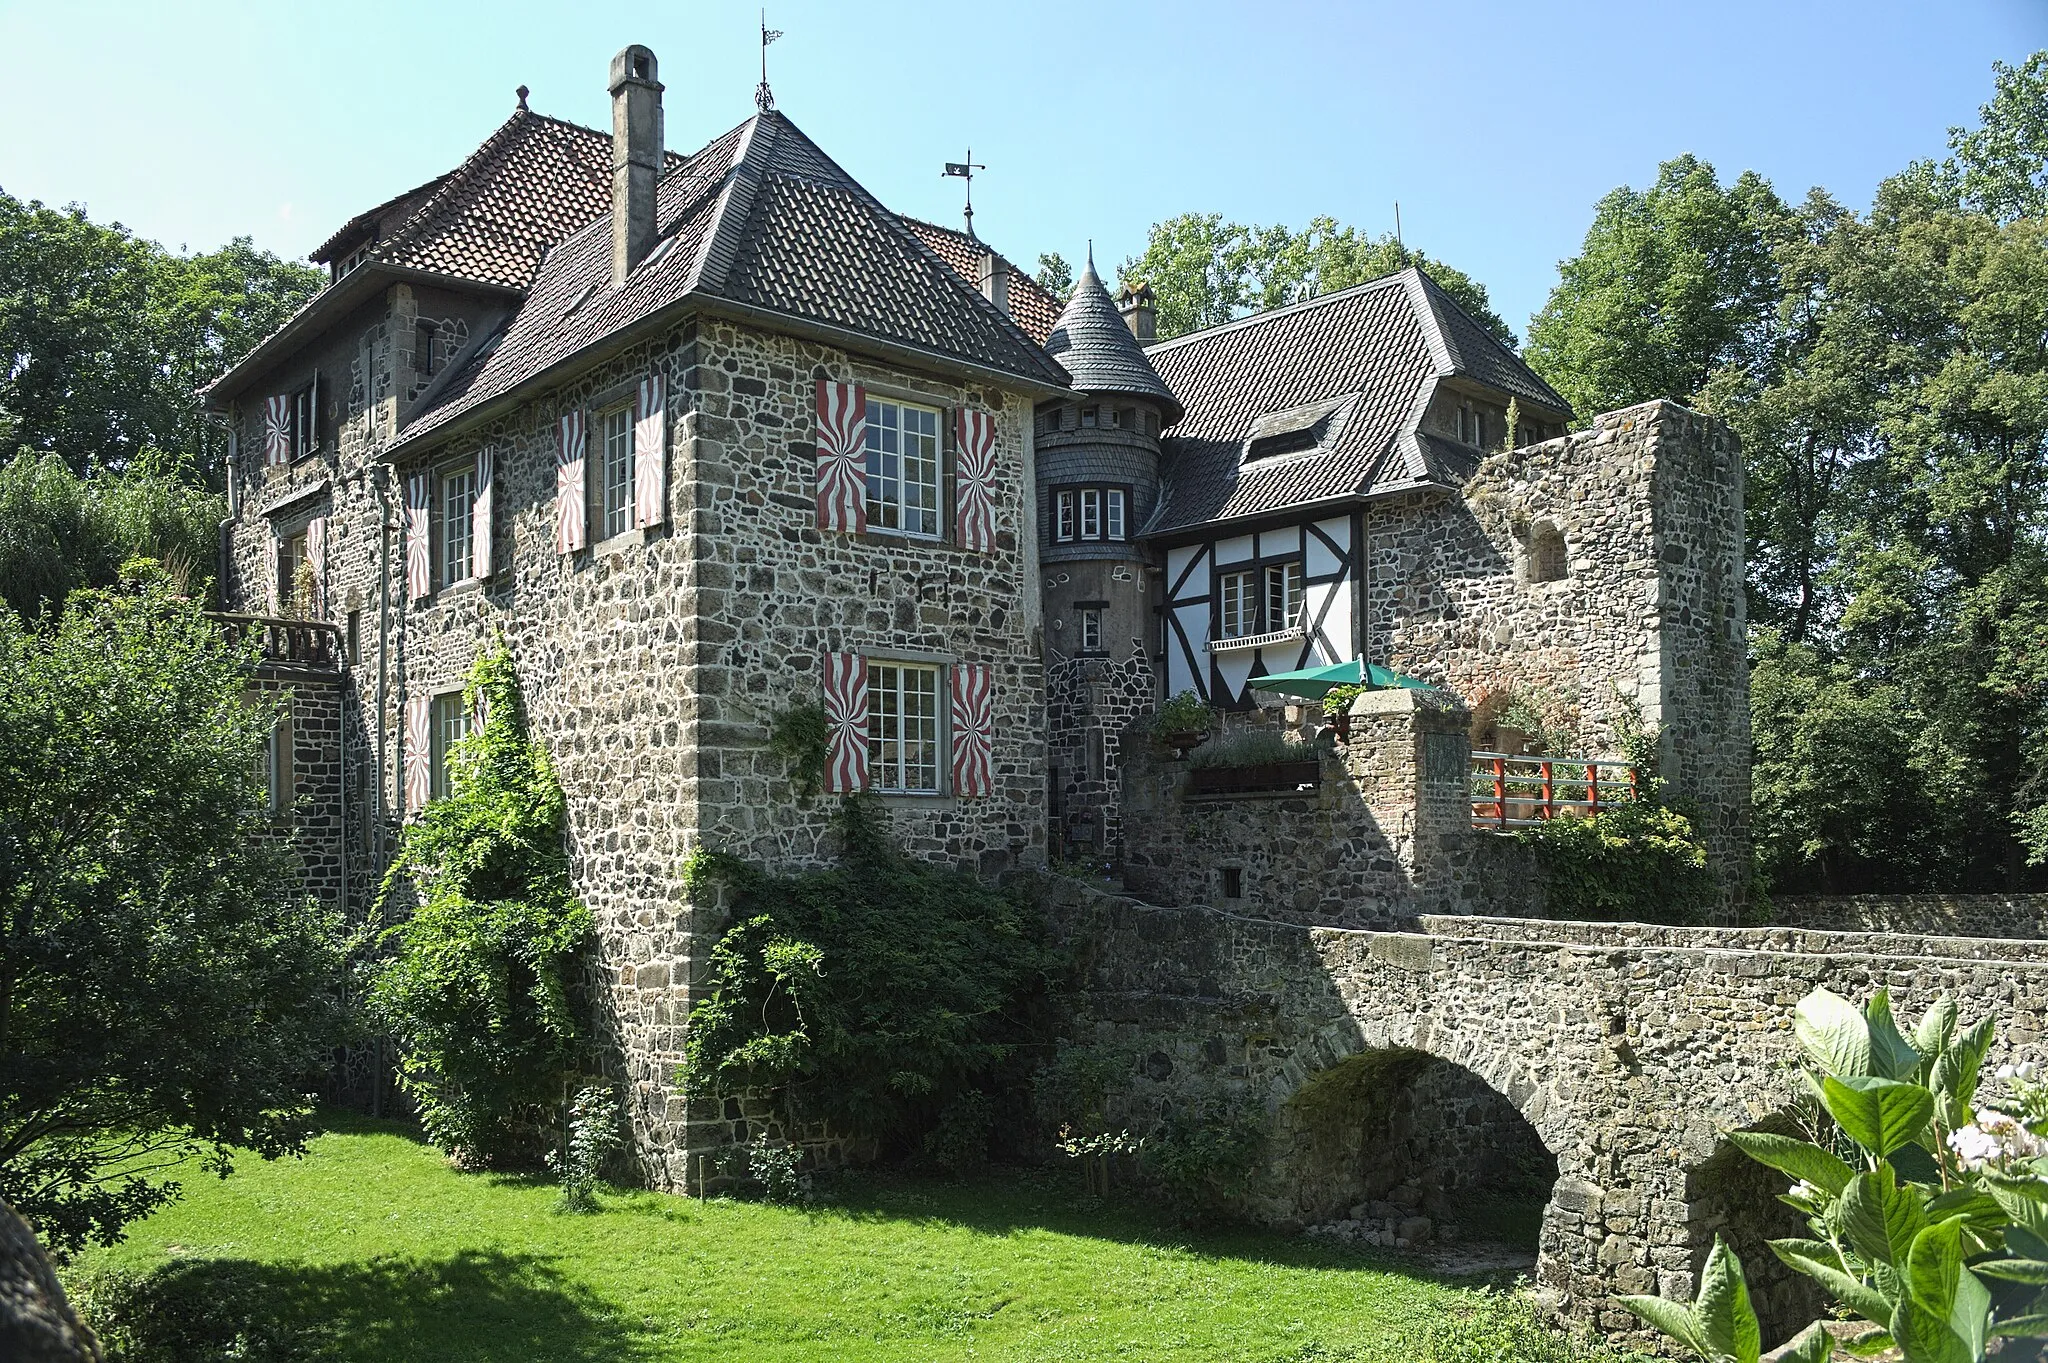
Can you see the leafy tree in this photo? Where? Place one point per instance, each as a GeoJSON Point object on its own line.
{"type": "Point", "coordinates": [477, 987]}
{"type": "Point", "coordinates": [166, 990]}
{"type": "Point", "coordinates": [1205, 271]}
{"type": "Point", "coordinates": [60, 532]}
{"type": "Point", "coordinates": [104, 337]}
{"type": "Point", "coordinates": [2000, 167]}
{"type": "Point", "coordinates": [1055, 276]}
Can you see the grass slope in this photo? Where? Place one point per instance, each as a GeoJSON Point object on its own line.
{"type": "Point", "coordinates": [372, 1248]}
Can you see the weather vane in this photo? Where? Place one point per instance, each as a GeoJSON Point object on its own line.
{"type": "Point", "coordinates": [764, 99]}
{"type": "Point", "coordinates": [965, 170]}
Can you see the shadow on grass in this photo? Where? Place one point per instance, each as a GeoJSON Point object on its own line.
{"type": "Point", "coordinates": [473, 1306]}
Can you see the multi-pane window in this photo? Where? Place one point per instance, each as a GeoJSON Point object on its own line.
{"type": "Point", "coordinates": [1283, 596]}
{"type": "Point", "coordinates": [452, 517]}
{"type": "Point", "coordinates": [305, 421]}
{"type": "Point", "coordinates": [424, 336]}
{"type": "Point", "coordinates": [1088, 415]}
{"type": "Point", "coordinates": [903, 468]}
{"type": "Point", "coordinates": [1089, 513]}
{"type": "Point", "coordinates": [1238, 616]}
{"type": "Point", "coordinates": [1091, 629]}
{"type": "Point", "coordinates": [615, 471]}
{"type": "Point", "coordinates": [449, 720]}
{"type": "Point", "coordinates": [903, 728]}
{"type": "Point", "coordinates": [291, 569]}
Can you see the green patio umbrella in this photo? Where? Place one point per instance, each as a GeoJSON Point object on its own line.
{"type": "Point", "coordinates": [1313, 683]}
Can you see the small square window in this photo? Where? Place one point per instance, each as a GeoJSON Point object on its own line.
{"type": "Point", "coordinates": [1233, 882]}
{"type": "Point", "coordinates": [1091, 629]}
{"type": "Point", "coordinates": [1088, 417]}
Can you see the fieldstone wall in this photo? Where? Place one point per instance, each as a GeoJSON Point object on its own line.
{"type": "Point", "coordinates": [1630, 1057]}
{"type": "Point", "coordinates": [1955, 915]}
{"type": "Point", "coordinates": [1647, 623]}
{"type": "Point", "coordinates": [315, 821]}
{"type": "Point", "coordinates": [1092, 704]}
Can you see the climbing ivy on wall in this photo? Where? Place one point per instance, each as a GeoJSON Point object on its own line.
{"type": "Point", "coordinates": [871, 994]}
{"type": "Point", "coordinates": [1639, 860]}
{"type": "Point", "coordinates": [475, 987]}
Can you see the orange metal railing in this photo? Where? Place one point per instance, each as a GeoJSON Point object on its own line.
{"type": "Point", "coordinates": [1519, 792]}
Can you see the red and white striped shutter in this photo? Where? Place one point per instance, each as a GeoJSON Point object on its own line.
{"type": "Point", "coordinates": [842, 456]}
{"type": "Point", "coordinates": [419, 563]}
{"type": "Point", "coordinates": [419, 754]}
{"type": "Point", "coordinates": [650, 454]}
{"type": "Point", "coordinates": [974, 480]}
{"type": "Point", "coordinates": [277, 429]}
{"type": "Point", "coordinates": [974, 718]}
{"type": "Point", "coordinates": [312, 440]}
{"type": "Point", "coordinates": [316, 564]}
{"type": "Point", "coordinates": [570, 508]}
{"type": "Point", "coordinates": [846, 711]}
{"type": "Point", "coordinates": [273, 594]}
{"type": "Point", "coordinates": [480, 513]}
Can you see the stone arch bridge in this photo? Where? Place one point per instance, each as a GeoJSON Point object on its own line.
{"type": "Point", "coordinates": [1628, 1050]}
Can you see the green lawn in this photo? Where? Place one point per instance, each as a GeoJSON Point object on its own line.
{"type": "Point", "coordinates": [372, 1248]}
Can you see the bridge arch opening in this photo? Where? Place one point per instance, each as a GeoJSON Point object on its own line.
{"type": "Point", "coordinates": [1731, 1195]}
{"type": "Point", "coordinates": [1402, 1149]}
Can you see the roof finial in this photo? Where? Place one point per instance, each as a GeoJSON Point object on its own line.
{"type": "Point", "coordinates": [764, 98]}
{"type": "Point", "coordinates": [522, 93]}
{"type": "Point", "coordinates": [965, 170]}
{"type": "Point", "coordinates": [1091, 255]}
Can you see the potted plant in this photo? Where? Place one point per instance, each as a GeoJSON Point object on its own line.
{"type": "Point", "coordinates": [1337, 709]}
{"type": "Point", "coordinates": [1183, 723]}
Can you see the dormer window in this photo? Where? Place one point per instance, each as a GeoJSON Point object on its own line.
{"type": "Point", "coordinates": [424, 337]}
{"type": "Point", "coordinates": [1298, 429]}
{"type": "Point", "coordinates": [1089, 417]}
{"type": "Point", "coordinates": [1471, 426]}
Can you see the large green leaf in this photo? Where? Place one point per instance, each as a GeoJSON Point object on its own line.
{"type": "Point", "coordinates": [1971, 1314]}
{"type": "Point", "coordinates": [1891, 1055]}
{"type": "Point", "coordinates": [1726, 1321]}
{"type": "Point", "coordinates": [2026, 1202]}
{"type": "Point", "coordinates": [1674, 1318]}
{"type": "Point", "coordinates": [2014, 1270]}
{"type": "Point", "coordinates": [1953, 1076]}
{"type": "Point", "coordinates": [1926, 1338]}
{"type": "Point", "coordinates": [1936, 1028]}
{"type": "Point", "coordinates": [1934, 1267]}
{"type": "Point", "coordinates": [1800, 1159]}
{"type": "Point", "coordinates": [1878, 1114]}
{"type": "Point", "coordinates": [1833, 1034]}
{"type": "Point", "coordinates": [1877, 1217]}
{"type": "Point", "coordinates": [1812, 1345]}
{"type": "Point", "coordinates": [1826, 1269]}
{"type": "Point", "coordinates": [2022, 1327]}
{"type": "Point", "coordinates": [1977, 1207]}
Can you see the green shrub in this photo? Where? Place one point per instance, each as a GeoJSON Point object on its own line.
{"type": "Point", "coordinates": [1204, 1154]}
{"type": "Point", "coordinates": [593, 1136]}
{"type": "Point", "coordinates": [959, 1143]}
{"type": "Point", "coordinates": [871, 994]}
{"type": "Point", "coordinates": [1184, 713]}
{"type": "Point", "coordinates": [60, 532]}
{"type": "Point", "coordinates": [1492, 1326]}
{"type": "Point", "coordinates": [477, 988]}
{"type": "Point", "coordinates": [1636, 860]}
{"type": "Point", "coordinates": [1337, 700]}
{"type": "Point", "coordinates": [1253, 748]}
{"type": "Point", "coordinates": [195, 1311]}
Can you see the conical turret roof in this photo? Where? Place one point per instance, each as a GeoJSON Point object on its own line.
{"type": "Point", "coordinates": [1093, 344]}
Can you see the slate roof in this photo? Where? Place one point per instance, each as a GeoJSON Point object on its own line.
{"type": "Point", "coordinates": [1031, 305]}
{"type": "Point", "coordinates": [1375, 346]}
{"type": "Point", "coordinates": [1095, 345]}
{"type": "Point", "coordinates": [763, 220]}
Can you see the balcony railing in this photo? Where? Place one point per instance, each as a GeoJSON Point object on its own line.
{"type": "Point", "coordinates": [1520, 792]}
{"type": "Point", "coordinates": [309, 645]}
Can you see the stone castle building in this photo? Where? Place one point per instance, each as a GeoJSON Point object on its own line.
{"type": "Point", "coordinates": [703, 436]}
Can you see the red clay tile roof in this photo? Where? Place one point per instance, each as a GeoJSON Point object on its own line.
{"type": "Point", "coordinates": [1035, 310]}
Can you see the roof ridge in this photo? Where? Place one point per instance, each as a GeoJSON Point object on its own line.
{"type": "Point", "coordinates": [1440, 297]}
{"type": "Point", "coordinates": [454, 178]}
{"type": "Point", "coordinates": [1415, 284]}
{"type": "Point", "coordinates": [742, 184]}
{"type": "Point", "coordinates": [1285, 309]}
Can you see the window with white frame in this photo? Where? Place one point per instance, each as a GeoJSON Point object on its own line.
{"type": "Point", "coordinates": [449, 719]}
{"type": "Point", "coordinates": [1063, 517]}
{"type": "Point", "coordinates": [1238, 605]}
{"type": "Point", "coordinates": [903, 468]}
{"type": "Point", "coordinates": [1091, 628]}
{"type": "Point", "coordinates": [1283, 595]}
{"type": "Point", "coordinates": [903, 728]}
{"type": "Point", "coordinates": [455, 498]}
{"type": "Point", "coordinates": [292, 567]}
{"type": "Point", "coordinates": [306, 419]}
{"type": "Point", "coordinates": [1089, 513]}
{"type": "Point", "coordinates": [1113, 513]}
{"type": "Point", "coordinates": [615, 470]}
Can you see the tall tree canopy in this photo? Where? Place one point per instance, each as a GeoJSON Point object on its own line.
{"type": "Point", "coordinates": [1887, 372]}
{"type": "Point", "coordinates": [1204, 271]}
{"type": "Point", "coordinates": [104, 337]}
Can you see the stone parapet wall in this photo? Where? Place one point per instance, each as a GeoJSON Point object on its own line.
{"type": "Point", "coordinates": [1774, 939]}
{"type": "Point", "coordinates": [1973, 915]}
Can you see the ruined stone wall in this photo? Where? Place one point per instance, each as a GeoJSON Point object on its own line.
{"type": "Point", "coordinates": [1955, 915]}
{"type": "Point", "coordinates": [1630, 1056]}
{"type": "Point", "coordinates": [313, 824]}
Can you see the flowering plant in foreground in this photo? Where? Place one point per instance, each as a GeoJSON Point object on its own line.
{"type": "Point", "coordinates": [1929, 1213]}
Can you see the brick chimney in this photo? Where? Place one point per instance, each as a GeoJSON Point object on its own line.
{"type": "Point", "coordinates": [995, 280]}
{"type": "Point", "coordinates": [636, 157]}
{"type": "Point", "coordinates": [1139, 314]}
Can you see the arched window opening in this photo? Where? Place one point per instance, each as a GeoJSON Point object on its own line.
{"type": "Point", "coordinates": [1547, 553]}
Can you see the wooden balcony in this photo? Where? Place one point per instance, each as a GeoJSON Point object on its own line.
{"type": "Point", "coordinates": [309, 648]}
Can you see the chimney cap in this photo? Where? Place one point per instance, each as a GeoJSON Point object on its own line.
{"type": "Point", "coordinates": [635, 65]}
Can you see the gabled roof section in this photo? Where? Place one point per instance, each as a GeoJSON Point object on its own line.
{"type": "Point", "coordinates": [764, 223]}
{"type": "Point", "coordinates": [1031, 305]}
{"type": "Point", "coordinates": [1378, 346]}
{"type": "Point", "coordinates": [1095, 345]}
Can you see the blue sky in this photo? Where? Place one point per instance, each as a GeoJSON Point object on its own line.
{"type": "Point", "coordinates": [1495, 125]}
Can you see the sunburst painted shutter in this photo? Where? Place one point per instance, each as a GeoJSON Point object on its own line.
{"type": "Point", "coordinates": [974, 480]}
{"type": "Point", "coordinates": [316, 564]}
{"type": "Point", "coordinates": [842, 456]}
{"type": "Point", "coordinates": [570, 508]}
{"type": "Point", "coordinates": [973, 729]}
{"type": "Point", "coordinates": [846, 711]}
{"type": "Point", "coordinates": [277, 429]}
{"type": "Point", "coordinates": [650, 453]}
{"type": "Point", "coordinates": [273, 594]}
{"type": "Point", "coordinates": [419, 754]}
{"type": "Point", "coordinates": [312, 440]}
{"type": "Point", "coordinates": [419, 559]}
{"type": "Point", "coordinates": [480, 513]}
